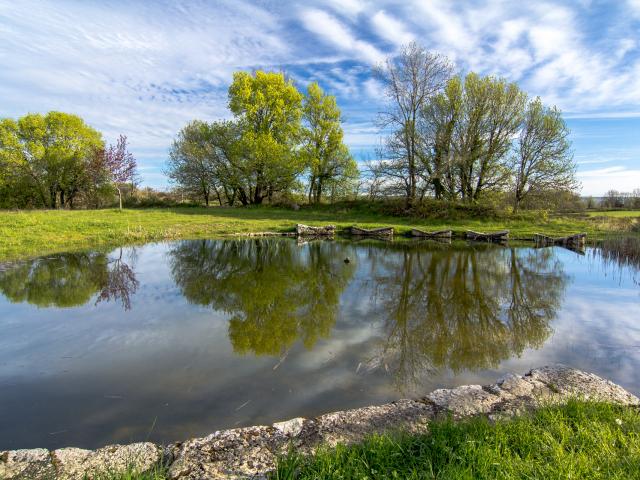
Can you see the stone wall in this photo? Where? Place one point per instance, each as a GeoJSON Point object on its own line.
{"type": "Point", "coordinates": [251, 452]}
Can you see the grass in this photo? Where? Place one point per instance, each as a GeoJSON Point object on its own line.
{"type": "Point", "coordinates": [29, 233]}
{"type": "Point", "coordinates": [615, 213]}
{"type": "Point", "coordinates": [157, 473]}
{"type": "Point", "coordinates": [579, 440]}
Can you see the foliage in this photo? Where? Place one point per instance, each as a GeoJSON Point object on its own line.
{"type": "Point", "coordinates": [617, 199]}
{"type": "Point", "coordinates": [44, 159]}
{"type": "Point", "coordinates": [329, 161]}
{"type": "Point", "coordinates": [263, 152]}
{"type": "Point", "coordinates": [198, 160]}
{"type": "Point", "coordinates": [58, 161]}
{"type": "Point", "coordinates": [577, 440]}
{"type": "Point", "coordinates": [453, 137]}
{"type": "Point", "coordinates": [468, 131]}
{"type": "Point", "coordinates": [268, 109]}
{"type": "Point", "coordinates": [119, 165]}
{"type": "Point", "coordinates": [543, 161]}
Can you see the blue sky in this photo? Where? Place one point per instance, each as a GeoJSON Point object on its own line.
{"type": "Point", "coordinates": [146, 68]}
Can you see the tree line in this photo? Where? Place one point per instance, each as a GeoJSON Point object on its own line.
{"type": "Point", "coordinates": [277, 134]}
{"type": "Point", "coordinates": [446, 136]}
{"type": "Point", "coordinates": [618, 199]}
{"type": "Point", "coordinates": [56, 160]}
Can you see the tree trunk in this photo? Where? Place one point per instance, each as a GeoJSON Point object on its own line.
{"type": "Point", "coordinates": [215, 189]}
{"type": "Point", "coordinates": [53, 197]}
{"type": "Point", "coordinates": [319, 190]}
{"type": "Point", "coordinates": [119, 196]}
{"type": "Point", "coordinates": [257, 194]}
{"type": "Point", "coordinates": [312, 186]}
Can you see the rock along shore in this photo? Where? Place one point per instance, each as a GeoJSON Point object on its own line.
{"type": "Point", "coordinates": [251, 452]}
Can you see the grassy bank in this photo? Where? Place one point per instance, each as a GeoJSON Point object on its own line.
{"type": "Point", "coordinates": [29, 233]}
{"type": "Point", "coordinates": [579, 440]}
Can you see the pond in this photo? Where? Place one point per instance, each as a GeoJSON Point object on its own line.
{"type": "Point", "coordinates": [173, 340]}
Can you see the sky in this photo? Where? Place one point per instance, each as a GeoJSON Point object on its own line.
{"type": "Point", "coordinates": [144, 69]}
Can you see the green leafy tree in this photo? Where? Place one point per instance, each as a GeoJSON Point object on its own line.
{"type": "Point", "coordinates": [203, 161]}
{"type": "Point", "coordinates": [543, 160]}
{"type": "Point", "coordinates": [268, 109]}
{"type": "Point", "coordinates": [491, 115]}
{"type": "Point", "coordinates": [437, 124]}
{"type": "Point", "coordinates": [329, 160]}
{"type": "Point", "coordinates": [48, 154]}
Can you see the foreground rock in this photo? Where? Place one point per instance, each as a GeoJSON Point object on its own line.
{"type": "Point", "coordinates": [251, 452]}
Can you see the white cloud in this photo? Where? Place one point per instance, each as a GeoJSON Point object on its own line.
{"type": "Point", "coordinates": [597, 182]}
{"type": "Point", "coordinates": [391, 29]}
{"type": "Point", "coordinates": [335, 32]}
{"type": "Point", "coordinates": [145, 69]}
{"type": "Point", "coordinates": [350, 8]}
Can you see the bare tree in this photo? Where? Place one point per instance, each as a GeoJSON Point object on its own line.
{"type": "Point", "coordinates": [543, 159]}
{"type": "Point", "coordinates": [410, 79]}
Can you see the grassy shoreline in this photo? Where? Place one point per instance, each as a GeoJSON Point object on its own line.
{"type": "Point", "coordinates": [576, 440]}
{"type": "Point", "coordinates": [579, 439]}
{"type": "Point", "coordinates": [30, 233]}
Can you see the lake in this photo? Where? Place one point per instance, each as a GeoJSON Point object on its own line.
{"type": "Point", "coordinates": [173, 340]}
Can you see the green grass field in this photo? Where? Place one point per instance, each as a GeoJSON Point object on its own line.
{"type": "Point", "coordinates": [29, 233]}
{"type": "Point", "coordinates": [615, 213]}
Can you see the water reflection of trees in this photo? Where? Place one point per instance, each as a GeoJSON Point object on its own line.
{"type": "Point", "coordinates": [70, 279]}
{"type": "Point", "coordinates": [464, 308]}
{"type": "Point", "coordinates": [275, 291]}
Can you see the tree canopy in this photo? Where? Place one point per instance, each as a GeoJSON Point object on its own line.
{"type": "Point", "coordinates": [55, 160]}
{"type": "Point", "coordinates": [459, 137]}
{"type": "Point", "coordinates": [276, 136]}
{"type": "Point", "coordinates": [44, 158]}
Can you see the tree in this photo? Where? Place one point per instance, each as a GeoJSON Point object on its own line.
{"type": "Point", "coordinates": [613, 199]}
{"type": "Point", "coordinates": [268, 109]}
{"type": "Point", "coordinates": [203, 160]}
{"type": "Point", "coordinates": [411, 79]}
{"type": "Point", "coordinates": [328, 158]}
{"type": "Point", "coordinates": [47, 155]}
{"type": "Point", "coordinates": [438, 120]}
{"type": "Point", "coordinates": [543, 159]}
{"type": "Point", "coordinates": [490, 116]}
{"type": "Point", "coordinates": [189, 160]}
{"type": "Point", "coordinates": [120, 165]}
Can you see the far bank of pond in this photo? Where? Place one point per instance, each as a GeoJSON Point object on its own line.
{"type": "Point", "coordinates": [26, 234]}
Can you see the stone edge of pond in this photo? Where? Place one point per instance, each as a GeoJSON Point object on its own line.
{"type": "Point", "coordinates": [251, 452]}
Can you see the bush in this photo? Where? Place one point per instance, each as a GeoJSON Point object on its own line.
{"type": "Point", "coordinates": [442, 209]}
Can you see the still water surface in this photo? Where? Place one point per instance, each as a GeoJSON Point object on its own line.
{"type": "Point", "coordinates": [173, 340]}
